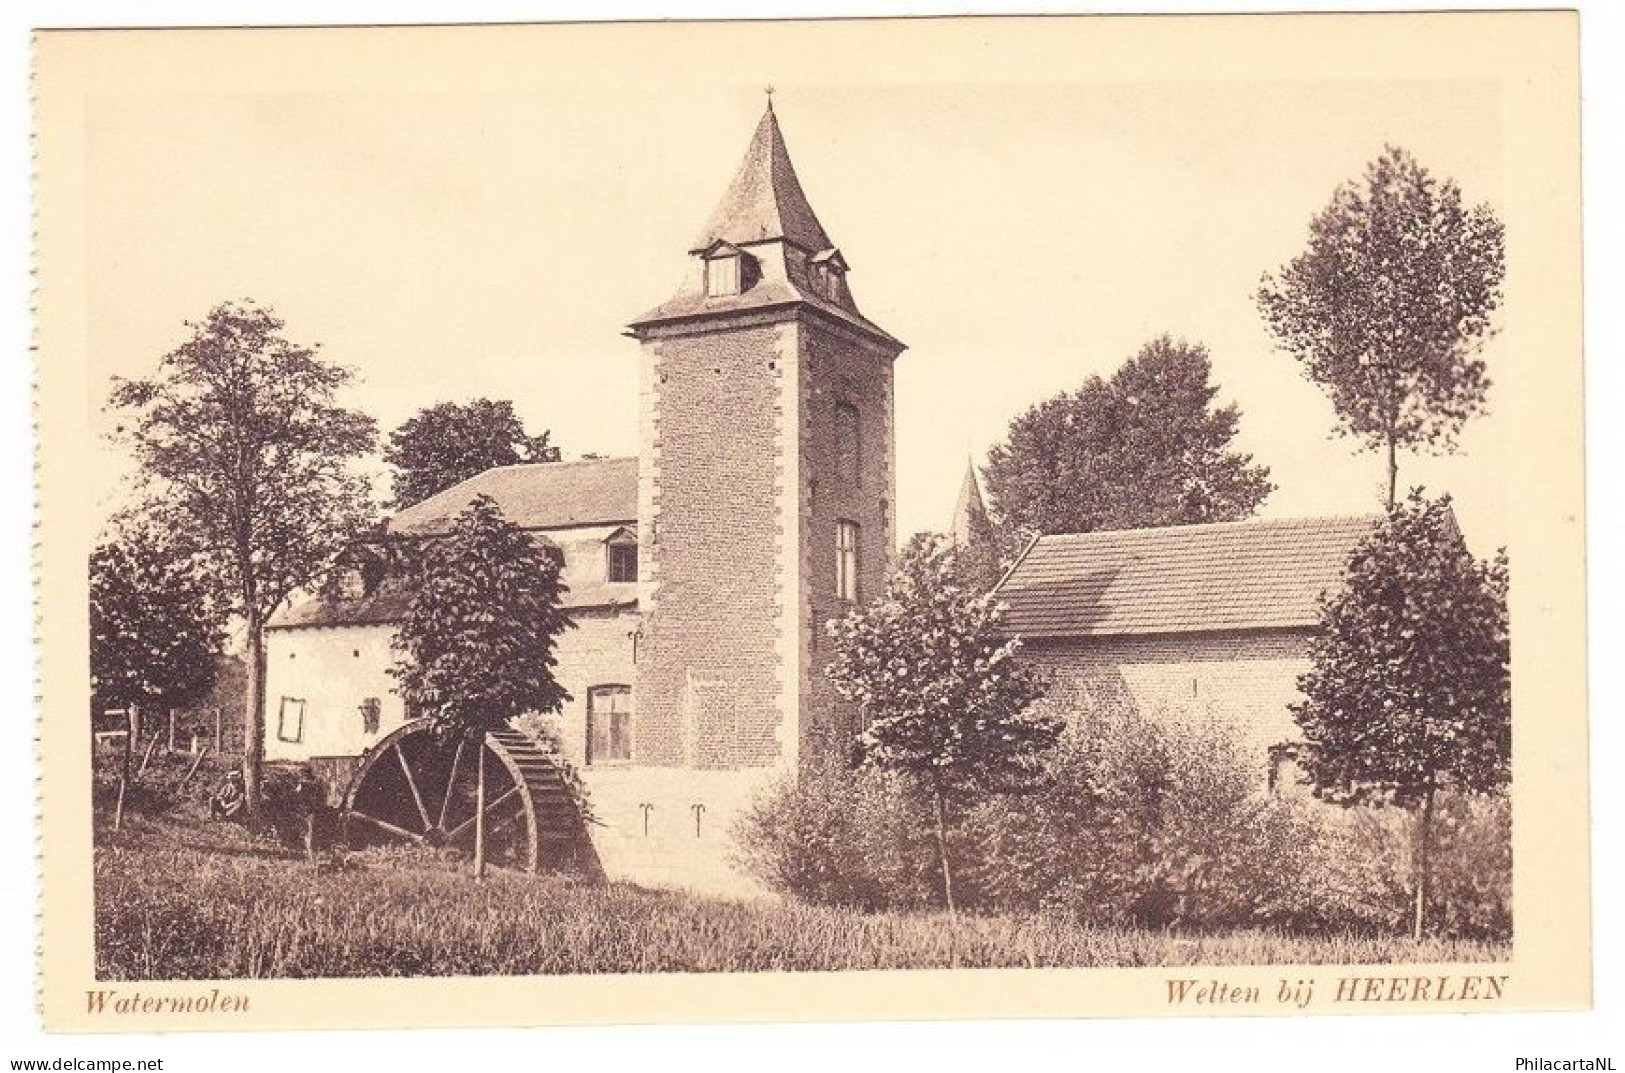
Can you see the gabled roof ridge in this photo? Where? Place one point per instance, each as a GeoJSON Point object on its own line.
{"type": "Point", "coordinates": [1207, 527]}
{"type": "Point", "coordinates": [555, 465]}
{"type": "Point", "coordinates": [534, 495]}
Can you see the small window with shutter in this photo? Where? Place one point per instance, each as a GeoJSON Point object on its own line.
{"type": "Point", "coordinates": [290, 720]}
{"type": "Point", "coordinates": [622, 552]}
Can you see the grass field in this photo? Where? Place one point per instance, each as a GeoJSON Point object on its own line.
{"type": "Point", "coordinates": [179, 898]}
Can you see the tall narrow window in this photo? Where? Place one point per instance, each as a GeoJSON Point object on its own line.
{"type": "Point", "coordinates": [290, 720]}
{"type": "Point", "coordinates": [609, 725]}
{"type": "Point", "coordinates": [846, 560]}
{"type": "Point", "coordinates": [847, 445]}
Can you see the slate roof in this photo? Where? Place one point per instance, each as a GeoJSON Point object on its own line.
{"type": "Point", "coordinates": [592, 496]}
{"type": "Point", "coordinates": [765, 200]}
{"type": "Point", "coordinates": [1266, 574]}
{"type": "Point", "coordinates": [763, 208]}
{"type": "Point", "coordinates": [543, 495]}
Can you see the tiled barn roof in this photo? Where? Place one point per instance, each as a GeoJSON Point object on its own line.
{"type": "Point", "coordinates": [590, 498]}
{"type": "Point", "coordinates": [543, 495]}
{"type": "Point", "coordinates": [1266, 574]}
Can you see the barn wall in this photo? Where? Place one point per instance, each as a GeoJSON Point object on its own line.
{"type": "Point", "coordinates": [333, 668]}
{"type": "Point", "coordinates": [1240, 681]}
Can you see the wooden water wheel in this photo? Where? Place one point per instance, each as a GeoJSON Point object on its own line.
{"type": "Point", "coordinates": [418, 787]}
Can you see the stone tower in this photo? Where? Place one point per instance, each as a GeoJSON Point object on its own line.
{"type": "Point", "coordinates": [766, 482]}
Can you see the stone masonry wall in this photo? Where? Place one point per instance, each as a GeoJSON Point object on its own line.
{"type": "Point", "coordinates": [838, 368]}
{"type": "Point", "coordinates": [1240, 681]}
{"type": "Point", "coordinates": [710, 676]}
{"type": "Point", "coordinates": [598, 652]}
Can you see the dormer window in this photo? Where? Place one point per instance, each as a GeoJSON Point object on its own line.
{"type": "Point", "coordinates": [722, 276]}
{"type": "Point", "coordinates": [728, 270]}
{"type": "Point", "coordinates": [621, 550]}
{"type": "Point", "coordinates": [828, 268]}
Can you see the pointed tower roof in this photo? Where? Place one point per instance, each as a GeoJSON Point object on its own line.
{"type": "Point", "coordinates": [970, 515]}
{"type": "Point", "coordinates": [786, 263]}
{"type": "Point", "coordinates": [765, 200]}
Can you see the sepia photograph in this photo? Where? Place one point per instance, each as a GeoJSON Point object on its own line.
{"type": "Point", "coordinates": [530, 506]}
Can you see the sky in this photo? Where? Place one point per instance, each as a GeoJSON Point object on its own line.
{"type": "Point", "coordinates": [463, 216]}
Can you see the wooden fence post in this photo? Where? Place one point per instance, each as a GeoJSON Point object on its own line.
{"type": "Point", "coordinates": [132, 721]}
{"type": "Point", "coordinates": [146, 757]}
{"type": "Point", "coordinates": [479, 814]}
{"type": "Point", "coordinates": [186, 778]}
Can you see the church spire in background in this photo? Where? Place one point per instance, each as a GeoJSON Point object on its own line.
{"type": "Point", "coordinates": [969, 522]}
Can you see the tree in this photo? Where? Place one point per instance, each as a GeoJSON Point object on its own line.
{"type": "Point", "coordinates": [945, 702]}
{"type": "Point", "coordinates": [248, 460]}
{"type": "Point", "coordinates": [1408, 692]}
{"type": "Point", "coordinates": [1145, 448]}
{"type": "Point", "coordinates": [478, 638]}
{"type": "Point", "coordinates": [155, 633]}
{"type": "Point", "coordinates": [1388, 304]}
{"type": "Point", "coordinates": [448, 443]}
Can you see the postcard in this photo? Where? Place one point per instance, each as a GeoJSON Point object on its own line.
{"type": "Point", "coordinates": [839, 519]}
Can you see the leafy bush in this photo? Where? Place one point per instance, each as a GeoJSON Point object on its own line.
{"type": "Point", "coordinates": [1144, 821]}
{"type": "Point", "coordinates": [841, 837]}
{"type": "Point", "coordinates": [1154, 822]}
{"type": "Point", "coordinates": [1471, 886]}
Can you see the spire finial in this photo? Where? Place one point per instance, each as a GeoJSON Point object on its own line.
{"type": "Point", "coordinates": [769, 91]}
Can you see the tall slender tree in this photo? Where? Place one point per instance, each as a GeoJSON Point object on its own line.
{"type": "Point", "coordinates": [247, 459]}
{"type": "Point", "coordinates": [946, 703]}
{"type": "Point", "coordinates": [1408, 693]}
{"type": "Point", "coordinates": [1389, 304]}
{"type": "Point", "coordinates": [1146, 447]}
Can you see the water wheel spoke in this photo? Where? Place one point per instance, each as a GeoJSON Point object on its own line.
{"type": "Point", "coordinates": [492, 807]}
{"type": "Point", "coordinates": [451, 782]}
{"type": "Point", "coordinates": [412, 784]}
{"type": "Point", "coordinates": [504, 823]}
{"type": "Point", "coordinates": [385, 825]}
{"type": "Point", "coordinates": [447, 803]}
